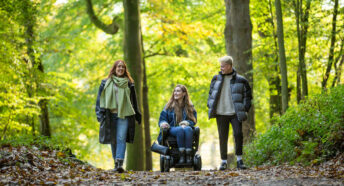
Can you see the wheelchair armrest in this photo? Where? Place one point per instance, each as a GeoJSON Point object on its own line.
{"type": "Point", "coordinates": [196, 137]}
{"type": "Point", "coordinates": [197, 131]}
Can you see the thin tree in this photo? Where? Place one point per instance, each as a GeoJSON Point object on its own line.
{"type": "Point", "coordinates": [133, 55]}
{"type": "Point", "coordinates": [339, 72]}
{"type": "Point", "coordinates": [145, 104]}
{"type": "Point", "coordinates": [302, 29]}
{"type": "Point", "coordinates": [338, 69]}
{"type": "Point", "coordinates": [333, 41]}
{"type": "Point", "coordinates": [282, 58]}
{"type": "Point", "coordinates": [275, 81]}
{"type": "Point", "coordinates": [35, 68]}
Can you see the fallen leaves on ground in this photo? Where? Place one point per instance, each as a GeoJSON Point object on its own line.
{"type": "Point", "coordinates": [31, 165]}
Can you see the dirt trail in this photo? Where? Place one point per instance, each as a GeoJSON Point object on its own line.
{"type": "Point", "coordinates": [33, 166]}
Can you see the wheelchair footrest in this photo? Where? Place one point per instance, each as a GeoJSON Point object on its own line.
{"type": "Point", "coordinates": [183, 165]}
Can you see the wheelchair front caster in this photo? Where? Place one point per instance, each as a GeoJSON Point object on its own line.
{"type": "Point", "coordinates": [167, 164]}
{"type": "Point", "coordinates": [162, 159]}
{"type": "Point", "coordinates": [197, 162]}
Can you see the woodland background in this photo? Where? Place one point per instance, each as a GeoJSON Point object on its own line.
{"type": "Point", "coordinates": [54, 54]}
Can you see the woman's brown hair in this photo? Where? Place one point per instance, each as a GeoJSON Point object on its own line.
{"type": "Point", "coordinates": [126, 73]}
{"type": "Point", "coordinates": [178, 109]}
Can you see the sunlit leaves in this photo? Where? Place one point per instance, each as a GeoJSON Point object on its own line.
{"type": "Point", "coordinates": [183, 33]}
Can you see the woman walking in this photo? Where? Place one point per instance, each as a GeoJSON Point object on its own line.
{"type": "Point", "coordinates": [117, 110]}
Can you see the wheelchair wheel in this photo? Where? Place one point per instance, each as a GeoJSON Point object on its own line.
{"type": "Point", "coordinates": [162, 159]}
{"type": "Point", "coordinates": [167, 164]}
{"type": "Point", "coordinates": [197, 162]}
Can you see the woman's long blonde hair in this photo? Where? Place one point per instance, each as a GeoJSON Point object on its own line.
{"type": "Point", "coordinates": [173, 104]}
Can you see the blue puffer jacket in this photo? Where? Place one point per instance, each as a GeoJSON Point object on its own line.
{"type": "Point", "coordinates": [169, 117]}
{"type": "Point", "coordinates": [241, 95]}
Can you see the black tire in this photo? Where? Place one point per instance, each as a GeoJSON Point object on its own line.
{"type": "Point", "coordinates": [162, 161]}
{"type": "Point", "coordinates": [166, 165]}
{"type": "Point", "coordinates": [197, 162]}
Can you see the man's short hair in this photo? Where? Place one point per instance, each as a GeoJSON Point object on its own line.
{"type": "Point", "coordinates": [226, 59]}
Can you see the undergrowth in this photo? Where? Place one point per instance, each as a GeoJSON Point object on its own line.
{"type": "Point", "coordinates": [308, 133]}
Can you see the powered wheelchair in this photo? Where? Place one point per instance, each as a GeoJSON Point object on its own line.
{"type": "Point", "coordinates": [171, 158]}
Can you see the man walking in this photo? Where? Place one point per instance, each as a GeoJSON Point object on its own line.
{"type": "Point", "coordinates": [229, 101]}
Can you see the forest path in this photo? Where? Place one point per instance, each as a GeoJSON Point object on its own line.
{"type": "Point", "coordinates": [29, 165]}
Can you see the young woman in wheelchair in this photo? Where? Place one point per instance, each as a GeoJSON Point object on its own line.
{"type": "Point", "coordinates": [179, 115]}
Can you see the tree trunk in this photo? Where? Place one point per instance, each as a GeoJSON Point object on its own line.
{"type": "Point", "coordinates": [339, 72]}
{"type": "Point", "coordinates": [36, 68]}
{"type": "Point", "coordinates": [133, 56]}
{"type": "Point", "coordinates": [275, 99]}
{"type": "Point", "coordinates": [30, 88]}
{"type": "Point", "coordinates": [333, 41]}
{"type": "Point", "coordinates": [298, 85]}
{"type": "Point", "coordinates": [298, 73]}
{"type": "Point", "coordinates": [338, 68]}
{"type": "Point", "coordinates": [275, 81]}
{"type": "Point", "coordinates": [238, 36]}
{"type": "Point", "coordinates": [303, 35]}
{"type": "Point", "coordinates": [148, 152]}
{"type": "Point", "coordinates": [44, 118]}
{"type": "Point", "coordinates": [302, 41]}
{"type": "Point", "coordinates": [283, 65]}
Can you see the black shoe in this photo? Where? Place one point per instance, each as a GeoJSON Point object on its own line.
{"type": "Point", "coordinates": [223, 166]}
{"type": "Point", "coordinates": [181, 156]}
{"type": "Point", "coordinates": [116, 166]}
{"type": "Point", "coordinates": [240, 165]}
{"type": "Point", "coordinates": [119, 166]}
{"type": "Point", "coordinates": [188, 156]}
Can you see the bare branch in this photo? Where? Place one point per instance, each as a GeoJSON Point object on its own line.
{"type": "Point", "coordinates": [109, 29]}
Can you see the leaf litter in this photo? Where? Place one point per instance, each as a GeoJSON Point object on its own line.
{"type": "Point", "coordinates": [32, 166]}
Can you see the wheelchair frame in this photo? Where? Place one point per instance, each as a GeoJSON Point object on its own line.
{"type": "Point", "coordinates": [170, 160]}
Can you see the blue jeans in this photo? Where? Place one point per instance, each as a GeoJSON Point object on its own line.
{"type": "Point", "coordinates": [118, 149]}
{"type": "Point", "coordinates": [183, 135]}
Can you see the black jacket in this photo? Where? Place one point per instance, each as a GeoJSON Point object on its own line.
{"type": "Point", "coordinates": [241, 95]}
{"type": "Point", "coordinates": [107, 129]}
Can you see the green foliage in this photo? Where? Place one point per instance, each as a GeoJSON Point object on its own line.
{"type": "Point", "coordinates": [40, 142]}
{"type": "Point", "coordinates": [307, 133]}
{"type": "Point", "coordinates": [197, 31]}
{"type": "Point", "coordinates": [18, 103]}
